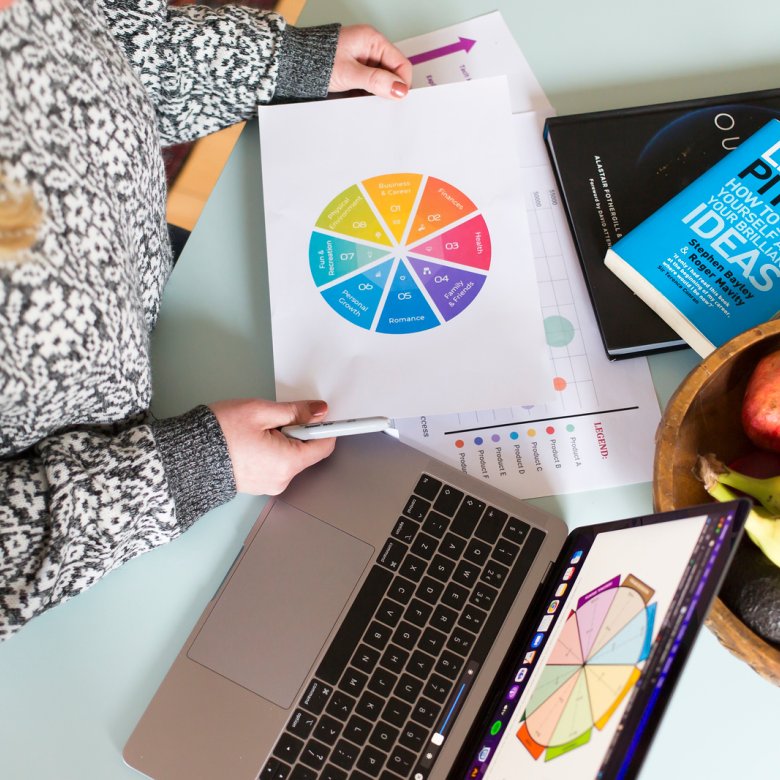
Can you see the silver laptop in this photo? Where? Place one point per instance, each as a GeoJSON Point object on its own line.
{"type": "Point", "coordinates": [390, 617]}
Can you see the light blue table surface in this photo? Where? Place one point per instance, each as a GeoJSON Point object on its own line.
{"type": "Point", "coordinates": [74, 682]}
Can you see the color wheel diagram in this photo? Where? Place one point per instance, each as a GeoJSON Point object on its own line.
{"type": "Point", "coordinates": [400, 253]}
{"type": "Point", "coordinates": [591, 668]}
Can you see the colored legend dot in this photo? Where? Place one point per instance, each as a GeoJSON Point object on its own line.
{"type": "Point", "coordinates": [559, 383]}
{"type": "Point", "coordinates": [532, 432]}
{"type": "Point", "coordinates": [550, 430]}
{"type": "Point", "coordinates": [459, 443]}
{"type": "Point", "coordinates": [495, 437]}
{"type": "Point", "coordinates": [514, 435]}
{"type": "Point", "coordinates": [479, 440]}
{"type": "Point", "coordinates": [570, 428]}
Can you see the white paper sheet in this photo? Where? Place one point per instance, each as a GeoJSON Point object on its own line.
{"type": "Point", "coordinates": [400, 267]}
{"type": "Point", "coordinates": [598, 431]}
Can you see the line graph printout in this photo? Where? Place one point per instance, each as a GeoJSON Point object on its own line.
{"type": "Point", "coordinates": [598, 432]}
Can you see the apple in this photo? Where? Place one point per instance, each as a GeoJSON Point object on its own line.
{"type": "Point", "coordinates": [761, 404]}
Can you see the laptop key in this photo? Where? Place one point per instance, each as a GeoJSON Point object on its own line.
{"type": "Point", "coordinates": [425, 712]}
{"type": "Point", "coordinates": [396, 712]}
{"type": "Point", "coordinates": [448, 500]}
{"type": "Point", "coordinates": [357, 729]}
{"type": "Point", "coordinates": [408, 688]}
{"type": "Point", "coordinates": [288, 748]}
{"type": "Point", "coordinates": [401, 590]}
{"type": "Point", "coordinates": [468, 516]}
{"type": "Point", "coordinates": [506, 552]}
{"type": "Point", "coordinates": [455, 596]}
{"type": "Point", "coordinates": [371, 761]}
{"type": "Point", "coordinates": [405, 530]}
{"type": "Point", "coordinates": [461, 641]}
{"type": "Point", "coordinates": [413, 736]}
{"type": "Point", "coordinates": [436, 524]}
{"type": "Point", "coordinates": [416, 508]}
{"type": "Point", "coordinates": [427, 487]}
{"type": "Point", "coordinates": [382, 682]}
{"type": "Point", "coordinates": [413, 567]}
{"type": "Point", "coordinates": [384, 735]}
{"type": "Point", "coordinates": [432, 640]}
{"type": "Point", "coordinates": [353, 682]}
{"type": "Point", "coordinates": [345, 754]}
{"type": "Point", "coordinates": [401, 761]}
{"type": "Point", "coordinates": [340, 706]}
{"type": "Point", "coordinates": [472, 618]}
{"type": "Point", "coordinates": [406, 635]}
{"type": "Point", "coordinates": [392, 554]}
{"type": "Point", "coordinates": [314, 754]}
{"type": "Point", "coordinates": [301, 724]}
{"type": "Point", "coordinates": [477, 551]}
{"type": "Point", "coordinates": [418, 612]}
{"type": "Point", "coordinates": [491, 525]}
{"type": "Point", "coordinates": [449, 664]}
{"type": "Point", "coordinates": [494, 573]}
{"type": "Point", "coordinates": [389, 612]}
{"type": "Point", "coordinates": [365, 658]}
{"type": "Point", "coordinates": [466, 574]}
{"type": "Point", "coordinates": [370, 705]}
{"type": "Point", "coordinates": [483, 595]}
{"type": "Point", "coordinates": [437, 688]}
{"type": "Point", "coordinates": [429, 590]}
{"type": "Point", "coordinates": [332, 773]}
{"type": "Point", "coordinates": [378, 635]}
{"type": "Point", "coordinates": [452, 546]}
{"type": "Point", "coordinates": [327, 729]}
{"type": "Point", "coordinates": [316, 696]}
{"type": "Point", "coordinates": [516, 530]}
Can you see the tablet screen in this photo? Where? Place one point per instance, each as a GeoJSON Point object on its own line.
{"type": "Point", "coordinates": [589, 678]}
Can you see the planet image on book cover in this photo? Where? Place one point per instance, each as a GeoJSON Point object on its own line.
{"type": "Point", "coordinates": [594, 664]}
{"type": "Point", "coordinates": [400, 253]}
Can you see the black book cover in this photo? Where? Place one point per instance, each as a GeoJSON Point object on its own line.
{"type": "Point", "coordinates": [615, 168]}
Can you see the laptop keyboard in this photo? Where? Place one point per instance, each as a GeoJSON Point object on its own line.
{"type": "Point", "coordinates": [406, 654]}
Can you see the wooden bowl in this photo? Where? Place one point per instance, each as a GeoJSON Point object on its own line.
{"type": "Point", "coordinates": [703, 416]}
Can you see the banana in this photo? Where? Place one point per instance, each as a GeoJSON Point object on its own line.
{"type": "Point", "coordinates": [765, 491]}
{"type": "Point", "coordinates": [762, 526]}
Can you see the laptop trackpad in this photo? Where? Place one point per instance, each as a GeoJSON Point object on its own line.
{"type": "Point", "coordinates": [281, 603]}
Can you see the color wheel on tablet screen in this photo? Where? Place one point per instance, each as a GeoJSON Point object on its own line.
{"type": "Point", "coordinates": [400, 253]}
{"type": "Point", "coordinates": [591, 668]}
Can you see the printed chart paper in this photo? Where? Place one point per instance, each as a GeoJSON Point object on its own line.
{"type": "Point", "coordinates": [599, 429]}
{"type": "Point", "coordinates": [400, 265]}
{"type": "Point", "coordinates": [479, 48]}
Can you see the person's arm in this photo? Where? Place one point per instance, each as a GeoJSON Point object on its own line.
{"type": "Point", "coordinates": [80, 503]}
{"type": "Point", "coordinates": [206, 68]}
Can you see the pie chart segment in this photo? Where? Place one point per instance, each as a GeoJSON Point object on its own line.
{"type": "Point", "coordinates": [406, 309]}
{"type": "Point", "coordinates": [351, 214]}
{"type": "Point", "coordinates": [626, 646]}
{"type": "Point", "coordinates": [331, 257]}
{"type": "Point", "coordinates": [551, 680]}
{"type": "Point", "coordinates": [394, 198]}
{"type": "Point", "coordinates": [546, 719]}
{"type": "Point", "coordinates": [575, 719]}
{"type": "Point", "coordinates": [626, 605]}
{"type": "Point", "coordinates": [357, 298]}
{"type": "Point", "coordinates": [465, 244]}
{"type": "Point", "coordinates": [441, 204]}
{"type": "Point", "coordinates": [567, 649]}
{"type": "Point", "coordinates": [590, 618]}
{"type": "Point", "coordinates": [451, 289]}
{"type": "Point", "coordinates": [607, 685]}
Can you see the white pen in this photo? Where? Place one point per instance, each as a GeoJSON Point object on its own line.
{"type": "Point", "coordinates": [328, 428]}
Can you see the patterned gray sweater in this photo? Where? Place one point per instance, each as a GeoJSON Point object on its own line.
{"type": "Point", "coordinates": [89, 90]}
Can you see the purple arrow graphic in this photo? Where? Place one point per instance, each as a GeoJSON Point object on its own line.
{"type": "Point", "coordinates": [463, 44]}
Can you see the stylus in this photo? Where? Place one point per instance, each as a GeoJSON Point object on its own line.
{"type": "Point", "coordinates": [328, 428]}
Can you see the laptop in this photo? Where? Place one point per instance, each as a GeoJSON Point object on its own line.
{"type": "Point", "coordinates": [391, 617]}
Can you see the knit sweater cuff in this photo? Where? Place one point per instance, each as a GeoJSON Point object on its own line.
{"type": "Point", "coordinates": [197, 464]}
{"type": "Point", "coordinates": [306, 61]}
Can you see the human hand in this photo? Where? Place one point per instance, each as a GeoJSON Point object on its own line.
{"type": "Point", "coordinates": [366, 60]}
{"type": "Point", "coordinates": [264, 459]}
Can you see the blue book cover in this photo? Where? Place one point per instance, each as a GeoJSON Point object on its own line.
{"type": "Point", "coordinates": [708, 261]}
